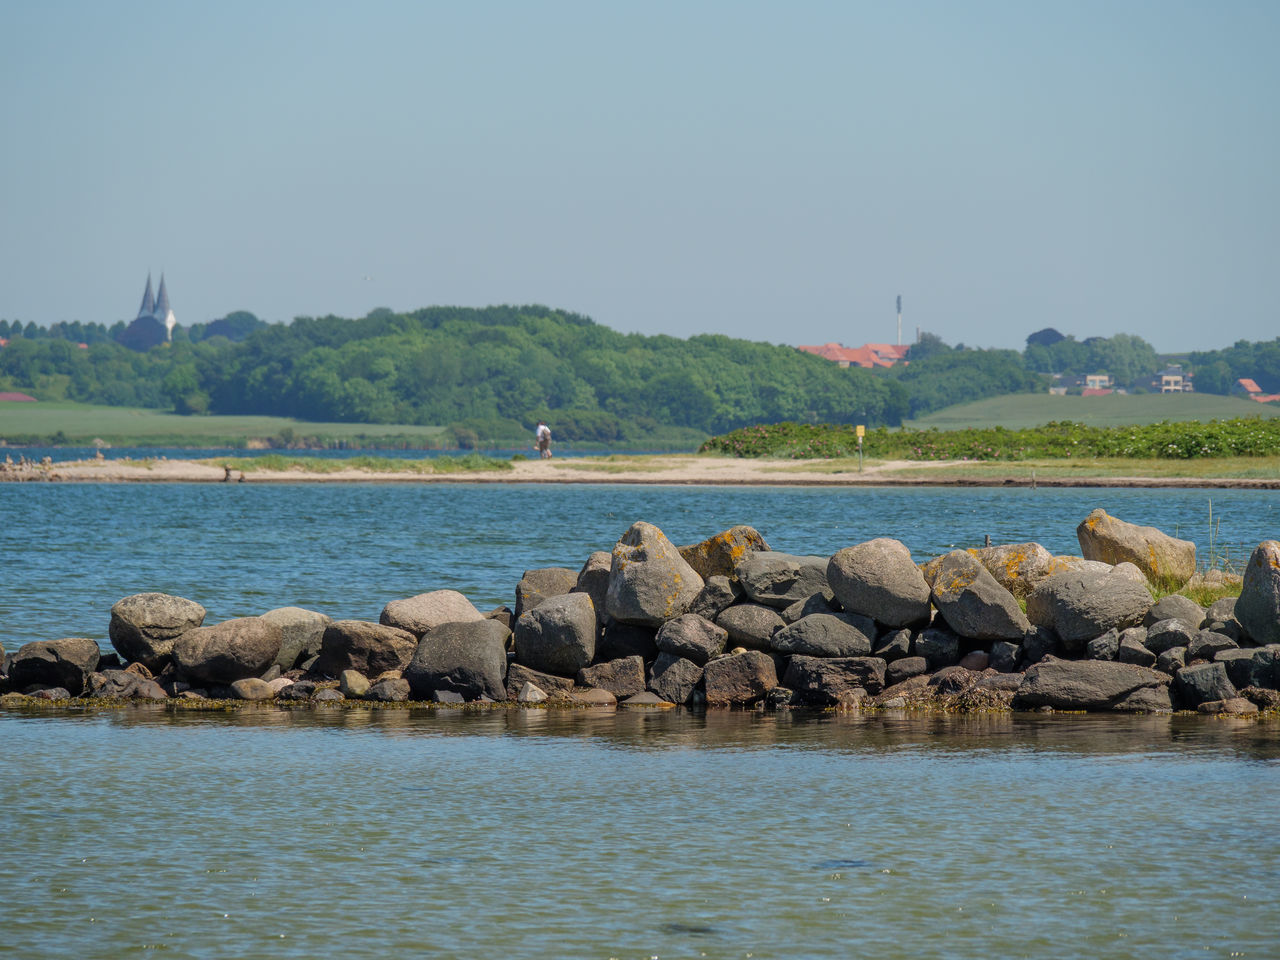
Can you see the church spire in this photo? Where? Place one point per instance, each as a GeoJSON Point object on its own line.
{"type": "Point", "coordinates": [164, 313]}
{"type": "Point", "coordinates": [148, 304]}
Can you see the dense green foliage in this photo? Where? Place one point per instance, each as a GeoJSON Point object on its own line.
{"type": "Point", "coordinates": [944, 376]}
{"type": "Point", "coordinates": [1130, 360]}
{"type": "Point", "coordinates": [1218, 370]}
{"type": "Point", "coordinates": [1178, 441]}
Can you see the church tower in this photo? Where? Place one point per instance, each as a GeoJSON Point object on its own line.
{"type": "Point", "coordinates": [163, 312]}
{"type": "Point", "coordinates": [148, 304]}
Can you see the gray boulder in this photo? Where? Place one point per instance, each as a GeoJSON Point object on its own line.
{"type": "Point", "coordinates": [227, 651]}
{"type": "Point", "coordinates": [895, 645]}
{"type": "Point", "coordinates": [939, 646]}
{"type": "Point", "coordinates": [1105, 647]}
{"type": "Point", "coordinates": [780, 579]}
{"type": "Point", "coordinates": [1163, 560]}
{"type": "Point", "coordinates": [1167, 634]}
{"type": "Point", "coordinates": [353, 684]}
{"type": "Point", "coordinates": [1080, 605]}
{"type": "Point", "coordinates": [819, 681]}
{"type": "Point", "coordinates": [145, 625]}
{"type": "Point", "coordinates": [649, 582]}
{"type": "Point", "coordinates": [750, 624]}
{"type": "Point", "coordinates": [826, 635]}
{"type": "Point", "coordinates": [1202, 682]}
{"type": "Point", "coordinates": [558, 636]}
{"type": "Point", "coordinates": [1004, 656]}
{"type": "Point", "coordinates": [1131, 650]}
{"type": "Point", "coordinates": [1017, 567]}
{"type": "Point", "coordinates": [467, 658]}
{"type": "Point", "coordinates": [717, 595]}
{"type": "Point", "coordinates": [1224, 608]}
{"type": "Point", "coordinates": [720, 555]}
{"type": "Point", "coordinates": [623, 678]}
{"type": "Point", "coordinates": [541, 584]}
{"type": "Point", "coordinates": [1249, 668]}
{"type": "Point", "coordinates": [593, 580]}
{"type": "Point", "coordinates": [552, 687]}
{"type": "Point", "coordinates": [740, 679]}
{"type": "Point", "coordinates": [1258, 606]}
{"type": "Point", "coordinates": [371, 648]}
{"type": "Point", "coordinates": [388, 690]}
{"type": "Point", "coordinates": [426, 611]}
{"type": "Point", "coordinates": [905, 669]}
{"type": "Point", "coordinates": [124, 685]}
{"type": "Point", "coordinates": [1206, 644]}
{"type": "Point", "coordinates": [878, 579]}
{"type": "Point", "coordinates": [1041, 642]}
{"type": "Point", "coordinates": [674, 678]}
{"type": "Point", "coordinates": [692, 637]}
{"type": "Point", "coordinates": [973, 604]}
{"type": "Point", "coordinates": [1084, 685]}
{"type": "Point", "coordinates": [301, 633]}
{"type": "Point", "coordinates": [1175, 607]}
{"type": "Point", "coordinates": [1172, 660]}
{"type": "Point", "coordinates": [823, 602]}
{"type": "Point", "coordinates": [65, 663]}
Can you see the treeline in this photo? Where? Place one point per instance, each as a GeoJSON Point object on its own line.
{"type": "Point", "coordinates": [1218, 370]}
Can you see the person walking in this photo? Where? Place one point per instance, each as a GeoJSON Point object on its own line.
{"type": "Point", "coordinates": [543, 437]}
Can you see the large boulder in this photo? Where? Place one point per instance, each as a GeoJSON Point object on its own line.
{"type": "Point", "coordinates": [692, 637]}
{"type": "Point", "coordinates": [426, 611]}
{"type": "Point", "coordinates": [1163, 560]}
{"type": "Point", "coordinates": [465, 657]}
{"type": "Point", "coordinates": [826, 635]}
{"type": "Point", "coordinates": [973, 604]}
{"type": "Point", "coordinates": [1175, 607]}
{"type": "Point", "coordinates": [1204, 682]}
{"type": "Point", "coordinates": [301, 633]}
{"type": "Point", "coordinates": [144, 626]}
{"type": "Point", "coordinates": [1017, 567]}
{"type": "Point", "coordinates": [227, 651]}
{"type": "Point", "coordinates": [623, 678]}
{"type": "Point", "coordinates": [720, 555]}
{"type": "Point", "coordinates": [65, 663]}
{"type": "Point", "coordinates": [1081, 605]}
{"type": "Point", "coordinates": [674, 678]}
{"type": "Point", "coordinates": [717, 595]}
{"type": "Point", "coordinates": [820, 681]}
{"type": "Point", "coordinates": [124, 685]}
{"type": "Point", "coordinates": [593, 580]}
{"type": "Point", "coordinates": [750, 624]}
{"type": "Point", "coordinates": [878, 579]}
{"type": "Point", "coordinates": [1086, 685]}
{"type": "Point", "coordinates": [371, 648]}
{"type": "Point", "coordinates": [780, 579]}
{"type": "Point", "coordinates": [1258, 606]}
{"type": "Point", "coordinates": [739, 679]}
{"type": "Point", "coordinates": [1167, 634]}
{"type": "Point", "coordinates": [649, 582]}
{"type": "Point", "coordinates": [542, 584]}
{"type": "Point", "coordinates": [558, 636]}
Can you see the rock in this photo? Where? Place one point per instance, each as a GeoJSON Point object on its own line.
{"type": "Point", "coordinates": [1081, 605]}
{"type": "Point", "coordinates": [717, 595]}
{"type": "Point", "coordinates": [390, 690]}
{"type": "Point", "coordinates": [1261, 697]}
{"type": "Point", "coordinates": [63, 663]}
{"type": "Point", "coordinates": [145, 625]}
{"type": "Point", "coordinates": [975, 660]}
{"type": "Point", "coordinates": [593, 580]}
{"type": "Point", "coordinates": [594, 698]}
{"type": "Point", "coordinates": [50, 693]}
{"type": "Point", "coordinates": [530, 694]}
{"type": "Point", "coordinates": [973, 604]}
{"type": "Point", "coordinates": [822, 602]}
{"type": "Point", "coordinates": [1083, 684]}
{"type": "Point", "coordinates": [623, 678]}
{"type": "Point", "coordinates": [739, 679]}
{"type": "Point", "coordinates": [646, 699]}
{"type": "Point", "coordinates": [327, 695]}
{"type": "Point", "coordinates": [558, 636]}
{"type": "Point", "coordinates": [503, 614]}
{"type": "Point", "coordinates": [278, 684]}
{"type": "Point", "coordinates": [820, 681]}
{"type": "Point", "coordinates": [1105, 647]}
{"type": "Point", "coordinates": [720, 555]}
{"type": "Point", "coordinates": [1146, 700]}
{"type": "Point", "coordinates": [953, 680]}
{"type": "Point", "coordinates": [1236, 706]}
{"type": "Point", "coordinates": [542, 584]}
{"type": "Point", "coordinates": [445, 696]}
{"type": "Point", "coordinates": [1004, 656]}
{"type": "Point", "coordinates": [1040, 642]}
{"type": "Point", "coordinates": [124, 685]}
{"type": "Point", "coordinates": [781, 579]}
{"type": "Point", "coordinates": [1166, 634]}
{"type": "Point", "coordinates": [370, 648]}
{"type": "Point", "coordinates": [895, 645]}
{"type": "Point", "coordinates": [252, 688]}
{"type": "Point", "coordinates": [1017, 567]}
{"type": "Point", "coordinates": [1172, 660]}
{"type": "Point", "coordinates": [227, 651]}
{"type": "Point", "coordinates": [1206, 644]}
{"type": "Point", "coordinates": [353, 684]}
{"type": "Point", "coordinates": [618, 640]}
{"type": "Point", "coordinates": [649, 582]}
{"type": "Point", "coordinates": [878, 579]}
{"type": "Point", "coordinates": [1175, 607]}
{"type": "Point", "coordinates": [556, 688]}
{"type": "Point", "coordinates": [1228, 628]}
{"type": "Point", "coordinates": [1163, 560]}
{"type": "Point", "coordinates": [750, 624]}
{"type": "Point", "coordinates": [426, 611]}
{"type": "Point", "coordinates": [1131, 650]}
{"type": "Point", "coordinates": [1248, 668]}
{"type": "Point", "coordinates": [1201, 682]}
{"type": "Point", "coordinates": [826, 635]}
{"type": "Point", "coordinates": [1258, 606]}
{"type": "Point", "coordinates": [1224, 608]}
{"type": "Point", "coordinates": [301, 632]}
{"type": "Point", "coordinates": [939, 646]}
{"type": "Point", "coordinates": [468, 658]}
{"type": "Point", "coordinates": [675, 678]}
{"type": "Point", "coordinates": [692, 637]}
{"type": "Point", "coordinates": [904, 669]}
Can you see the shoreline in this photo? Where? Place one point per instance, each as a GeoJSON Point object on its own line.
{"type": "Point", "coordinates": [669, 470]}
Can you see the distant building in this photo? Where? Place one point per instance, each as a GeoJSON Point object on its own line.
{"type": "Point", "coordinates": [154, 323]}
{"type": "Point", "coordinates": [1098, 381]}
{"type": "Point", "coordinates": [3, 343]}
{"type": "Point", "coordinates": [1172, 380]}
{"type": "Point", "coordinates": [1248, 387]}
{"type": "Point", "coordinates": [867, 356]}
{"type": "Point", "coordinates": [16, 398]}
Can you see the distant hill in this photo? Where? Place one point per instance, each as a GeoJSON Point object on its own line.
{"type": "Point", "coordinates": [1033, 410]}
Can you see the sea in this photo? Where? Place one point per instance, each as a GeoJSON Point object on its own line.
{"type": "Point", "coordinates": [600, 833]}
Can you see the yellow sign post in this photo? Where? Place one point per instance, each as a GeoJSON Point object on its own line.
{"type": "Point", "coordinates": [862, 432]}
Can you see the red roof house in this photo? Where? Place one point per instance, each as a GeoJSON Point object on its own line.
{"type": "Point", "coordinates": [16, 398]}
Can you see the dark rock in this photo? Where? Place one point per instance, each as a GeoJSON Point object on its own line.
{"type": "Point", "coordinates": [1132, 651]}
{"type": "Point", "coordinates": [593, 580]}
{"type": "Point", "coordinates": [1258, 606]}
{"type": "Point", "coordinates": [821, 681]}
{"type": "Point", "coordinates": [542, 584]}
{"type": "Point", "coordinates": [1166, 634]}
{"type": "Point", "coordinates": [623, 678]}
{"type": "Point", "coordinates": [973, 604]}
{"type": "Point", "coordinates": [1083, 684]}
{"type": "Point", "coordinates": [123, 685]}
{"type": "Point", "coordinates": [271, 673]}
{"type": "Point", "coordinates": [1172, 660]}
{"type": "Point", "coordinates": [300, 690]}
{"type": "Point", "coordinates": [426, 611]}
{"type": "Point", "coordinates": [390, 690]}
{"type": "Point", "coordinates": [503, 614]}
{"type": "Point", "coordinates": [1203, 681]}
{"type": "Point", "coordinates": [1262, 697]}
{"type": "Point", "coordinates": [444, 696]}
{"type": "Point", "coordinates": [895, 645]}
{"type": "Point", "coordinates": [739, 679]}
{"type": "Point", "coordinates": [227, 651]}
{"type": "Point", "coordinates": [1228, 628]}
{"type": "Point", "coordinates": [556, 688]}
{"type": "Point", "coordinates": [49, 693]}
{"type": "Point", "coordinates": [1146, 700]}
{"type": "Point", "coordinates": [1081, 604]}
{"type": "Point", "coordinates": [1248, 668]}
{"type": "Point", "coordinates": [1206, 644]}
{"type": "Point", "coordinates": [251, 688]}
{"type": "Point", "coordinates": [1041, 642]}
{"type": "Point", "coordinates": [619, 640]}
{"type": "Point", "coordinates": [1175, 607]}
{"type": "Point", "coordinates": [720, 555]}
{"type": "Point", "coordinates": [467, 657]}
{"type": "Point", "coordinates": [750, 624]}
{"type": "Point", "coordinates": [649, 582]}
{"type": "Point", "coordinates": [717, 595]}
{"type": "Point", "coordinates": [939, 646]}
{"type": "Point", "coordinates": [1105, 647]}
{"type": "Point", "coordinates": [878, 579]}
{"type": "Point", "coordinates": [692, 637]}
{"type": "Point", "coordinates": [781, 579]}
{"type": "Point", "coordinates": [145, 625]}
{"type": "Point", "coordinates": [558, 636]}
{"type": "Point", "coordinates": [826, 635]}
{"type": "Point", "coordinates": [107, 661]}
{"type": "Point", "coordinates": [675, 678]}
{"type": "Point", "coordinates": [976, 660]}
{"type": "Point", "coordinates": [905, 668]}
{"type": "Point", "coordinates": [327, 695]}
{"type": "Point", "coordinates": [371, 648]}
{"type": "Point", "coordinates": [301, 633]}
{"type": "Point", "coordinates": [823, 602]}
{"type": "Point", "coordinates": [953, 680]}
{"type": "Point", "coordinates": [1236, 706]}
{"type": "Point", "coordinates": [1224, 608]}
{"type": "Point", "coordinates": [55, 663]}
{"type": "Point", "coordinates": [1004, 656]}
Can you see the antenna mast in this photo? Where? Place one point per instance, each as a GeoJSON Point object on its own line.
{"type": "Point", "coordinates": [899, 319]}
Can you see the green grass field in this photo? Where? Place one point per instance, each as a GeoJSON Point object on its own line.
{"type": "Point", "coordinates": [1017, 411]}
{"type": "Point", "coordinates": [81, 424]}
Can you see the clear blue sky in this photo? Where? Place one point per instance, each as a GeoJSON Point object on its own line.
{"type": "Point", "coordinates": [775, 171]}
